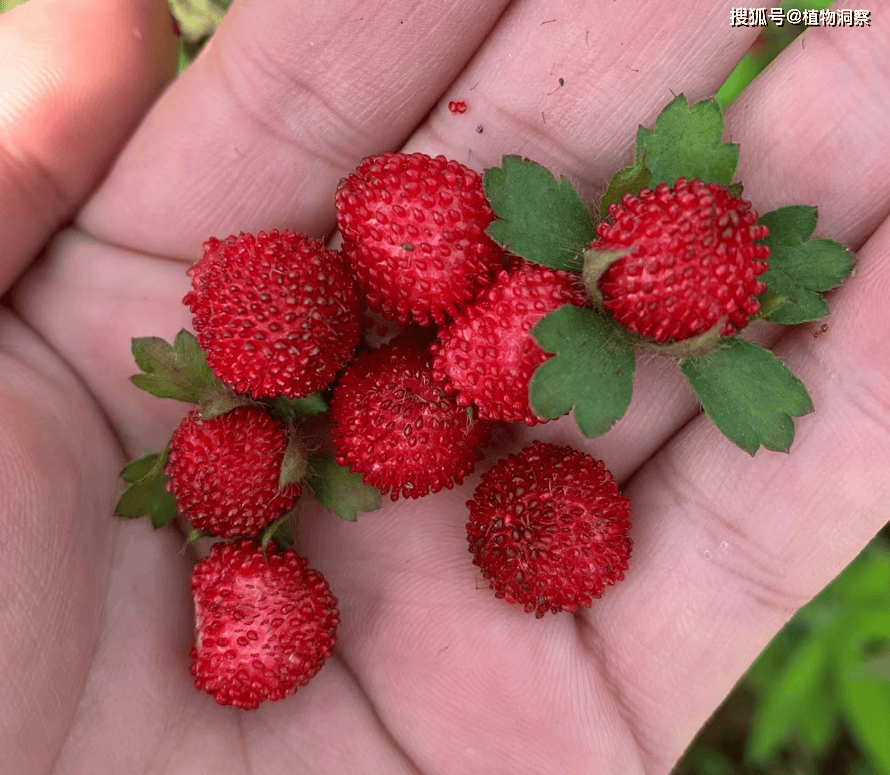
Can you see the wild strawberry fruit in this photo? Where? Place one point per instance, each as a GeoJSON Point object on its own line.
{"type": "Point", "coordinates": [395, 425]}
{"type": "Point", "coordinates": [487, 355]}
{"type": "Point", "coordinates": [264, 623]}
{"type": "Point", "coordinates": [549, 528]}
{"type": "Point", "coordinates": [224, 471]}
{"type": "Point", "coordinates": [693, 261]}
{"type": "Point", "coordinates": [414, 230]}
{"type": "Point", "coordinates": [277, 314]}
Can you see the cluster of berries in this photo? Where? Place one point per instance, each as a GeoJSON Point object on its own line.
{"type": "Point", "coordinates": [279, 319]}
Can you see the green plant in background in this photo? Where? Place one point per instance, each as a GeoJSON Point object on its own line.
{"type": "Point", "coordinates": [817, 700]}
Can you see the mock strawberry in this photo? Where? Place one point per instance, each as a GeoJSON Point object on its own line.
{"type": "Point", "coordinates": [277, 314]}
{"type": "Point", "coordinates": [414, 230]}
{"type": "Point", "coordinates": [264, 623]}
{"type": "Point", "coordinates": [487, 355]}
{"type": "Point", "coordinates": [549, 529]}
{"type": "Point", "coordinates": [224, 471]}
{"type": "Point", "coordinates": [394, 424]}
{"type": "Point", "coordinates": [693, 263]}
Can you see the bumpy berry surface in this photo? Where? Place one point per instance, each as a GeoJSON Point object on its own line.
{"type": "Point", "coordinates": [264, 624]}
{"type": "Point", "coordinates": [487, 355]}
{"type": "Point", "coordinates": [549, 528]}
{"type": "Point", "coordinates": [224, 471]}
{"type": "Point", "coordinates": [414, 230]}
{"type": "Point", "coordinates": [694, 261]}
{"type": "Point", "coordinates": [395, 425]}
{"type": "Point", "coordinates": [276, 314]}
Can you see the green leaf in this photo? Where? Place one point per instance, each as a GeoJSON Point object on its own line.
{"type": "Point", "coordinates": [178, 371]}
{"type": "Point", "coordinates": [296, 409]}
{"type": "Point", "coordinates": [146, 494]}
{"type": "Point", "coordinates": [801, 268]}
{"type": "Point", "coordinates": [538, 218]}
{"type": "Point", "coordinates": [786, 700]}
{"type": "Point", "coordinates": [627, 181]}
{"type": "Point", "coordinates": [817, 723]}
{"type": "Point", "coordinates": [143, 467]}
{"type": "Point", "coordinates": [686, 143]}
{"type": "Point", "coordinates": [337, 489]}
{"type": "Point", "coordinates": [592, 371]}
{"type": "Point", "coordinates": [748, 393]}
{"type": "Point", "coordinates": [865, 698]}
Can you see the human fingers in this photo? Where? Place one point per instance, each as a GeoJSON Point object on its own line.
{"type": "Point", "coordinates": [283, 103]}
{"type": "Point", "coordinates": [74, 81]}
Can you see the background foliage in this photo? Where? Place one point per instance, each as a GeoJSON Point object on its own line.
{"type": "Point", "coordinates": [817, 700]}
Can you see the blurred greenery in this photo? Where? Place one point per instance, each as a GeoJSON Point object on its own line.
{"type": "Point", "coordinates": [817, 700]}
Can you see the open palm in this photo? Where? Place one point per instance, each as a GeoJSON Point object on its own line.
{"type": "Point", "coordinates": [432, 674]}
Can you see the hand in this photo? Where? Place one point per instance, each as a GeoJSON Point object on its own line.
{"type": "Point", "coordinates": [432, 674]}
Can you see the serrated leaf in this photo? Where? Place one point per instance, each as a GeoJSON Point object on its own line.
{"type": "Point", "coordinates": [177, 371]}
{"type": "Point", "coordinates": [748, 393]}
{"type": "Point", "coordinates": [627, 181]}
{"type": "Point", "coordinates": [591, 371]}
{"type": "Point", "coordinates": [801, 268]}
{"type": "Point", "coordinates": [296, 409]}
{"type": "Point", "coordinates": [538, 218]}
{"type": "Point", "coordinates": [686, 143]}
{"type": "Point", "coordinates": [786, 700]}
{"type": "Point", "coordinates": [339, 490]}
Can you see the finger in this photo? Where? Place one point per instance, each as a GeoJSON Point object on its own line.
{"type": "Point", "coordinates": [283, 104]}
{"type": "Point", "coordinates": [57, 484]}
{"type": "Point", "coordinates": [727, 547]}
{"type": "Point", "coordinates": [810, 131]}
{"type": "Point", "coordinates": [74, 81]}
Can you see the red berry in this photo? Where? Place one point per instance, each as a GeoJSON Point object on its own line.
{"type": "Point", "coordinates": [276, 314]}
{"type": "Point", "coordinates": [414, 229]}
{"type": "Point", "coordinates": [549, 528]}
{"type": "Point", "coordinates": [396, 426]}
{"type": "Point", "coordinates": [488, 355]}
{"type": "Point", "coordinates": [694, 261]}
{"type": "Point", "coordinates": [224, 471]}
{"type": "Point", "coordinates": [265, 623]}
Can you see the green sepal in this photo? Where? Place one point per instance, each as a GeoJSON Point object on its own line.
{"type": "Point", "coordinates": [177, 370]}
{"type": "Point", "coordinates": [146, 494]}
{"type": "Point", "coordinates": [800, 268]}
{"type": "Point", "coordinates": [749, 394]}
{"type": "Point", "coordinates": [293, 465]}
{"type": "Point", "coordinates": [591, 371]}
{"type": "Point", "coordinates": [296, 409]}
{"type": "Point", "coordinates": [194, 535]}
{"type": "Point", "coordinates": [630, 180]}
{"type": "Point", "coordinates": [686, 143]}
{"type": "Point", "coordinates": [279, 532]}
{"type": "Point", "coordinates": [339, 490]}
{"type": "Point", "coordinates": [221, 403]}
{"type": "Point", "coordinates": [539, 218]}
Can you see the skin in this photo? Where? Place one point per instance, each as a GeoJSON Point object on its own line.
{"type": "Point", "coordinates": [432, 674]}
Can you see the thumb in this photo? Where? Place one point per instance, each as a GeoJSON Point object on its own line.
{"type": "Point", "coordinates": [75, 79]}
